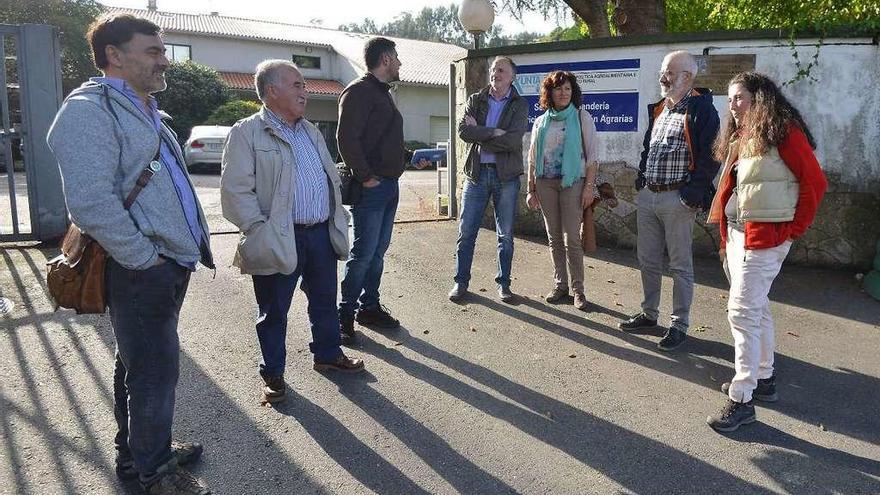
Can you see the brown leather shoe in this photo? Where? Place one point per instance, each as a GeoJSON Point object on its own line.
{"type": "Point", "coordinates": [343, 363]}
{"type": "Point", "coordinates": [580, 301]}
{"type": "Point", "coordinates": [557, 295]}
{"type": "Point", "coordinates": [275, 389]}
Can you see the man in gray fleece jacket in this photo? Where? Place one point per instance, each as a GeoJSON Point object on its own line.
{"type": "Point", "coordinates": [109, 141]}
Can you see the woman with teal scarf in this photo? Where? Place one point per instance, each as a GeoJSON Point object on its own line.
{"type": "Point", "coordinates": [562, 176]}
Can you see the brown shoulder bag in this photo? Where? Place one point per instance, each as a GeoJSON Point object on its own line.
{"type": "Point", "coordinates": [76, 277]}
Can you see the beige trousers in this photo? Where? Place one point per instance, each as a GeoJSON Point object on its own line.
{"type": "Point", "coordinates": [562, 217]}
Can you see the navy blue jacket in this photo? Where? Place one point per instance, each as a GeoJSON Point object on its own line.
{"type": "Point", "coordinates": [702, 127]}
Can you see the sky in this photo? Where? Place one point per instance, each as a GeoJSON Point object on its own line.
{"type": "Point", "coordinates": [331, 12]}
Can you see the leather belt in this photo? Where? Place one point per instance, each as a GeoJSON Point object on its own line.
{"type": "Point", "coordinates": [303, 226]}
{"type": "Point", "coordinates": [666, 187]}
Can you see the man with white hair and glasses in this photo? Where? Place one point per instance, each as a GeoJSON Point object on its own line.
{"type": "Point", "coordinates": [674, 182]}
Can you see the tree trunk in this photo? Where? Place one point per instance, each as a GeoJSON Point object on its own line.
{"type": "Point", "coordinates": [593, 13]}
{"type": "Point", "coordinates": [639, 17]}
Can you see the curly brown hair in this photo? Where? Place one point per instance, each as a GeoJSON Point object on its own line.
{"type": "Point", "coordinates": [768, 118]}
{"type": "Point", "coordinates": [555, 80]}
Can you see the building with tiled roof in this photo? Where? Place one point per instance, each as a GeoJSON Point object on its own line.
{"type": "Point", "coordinates": [328, 59]}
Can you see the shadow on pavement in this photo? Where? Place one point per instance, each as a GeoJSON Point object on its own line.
{"type": "Point", "coordinates": [835, 293]}
{"type": "Point", "coordinates": [456, 469]}
{"type": "Point", "coordinates": [767, 435]}
{"type": "Point", "coordinates": [841, 400]}
{"type": "Point", "coordinates": [362, 462]}
{"type": "Point", "coordinates": [203, 409]}
{"type": "Point", "coordinates": [598, 444]}
{"type": "Point", "coordinates": [57, 443]}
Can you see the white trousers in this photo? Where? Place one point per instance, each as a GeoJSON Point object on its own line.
{"type": "Point", "coordinates": [752, 272]}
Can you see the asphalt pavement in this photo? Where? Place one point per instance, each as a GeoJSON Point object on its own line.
{"type": "Point", "coordinates": [480, 397]}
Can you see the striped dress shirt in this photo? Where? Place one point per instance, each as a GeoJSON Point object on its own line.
{"type": "Point", "coordinates": [311, 193]}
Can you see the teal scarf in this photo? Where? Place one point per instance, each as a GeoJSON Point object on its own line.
{"type": "Point", "coordinates": [571, 153]}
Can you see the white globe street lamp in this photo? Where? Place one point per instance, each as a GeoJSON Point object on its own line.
{"type": "Point", "coordinates": [476, 17]}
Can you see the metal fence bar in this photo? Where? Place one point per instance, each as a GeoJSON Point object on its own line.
{"type": "Point", "coordinates": [451, 148]}
{"type": "Point", "coordinates": [39, 61]}
{"type": "Point", "coordinates": [6, 136]}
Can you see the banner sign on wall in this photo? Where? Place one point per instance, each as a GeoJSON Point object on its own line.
{"type": "Point", "coordinates": [610, 89]}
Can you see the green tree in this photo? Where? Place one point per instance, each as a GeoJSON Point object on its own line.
{"type": "Point", "coordinates": [73, 18]}
{"type": "Point", "coordinates": [603, 18]}
{"type": "Point", "coordinates": [819, 16]}
{"type": "Point", "coordinates": [194, 92]}
{"type": "Point", "coordinates": [232, 111]}
{"type": "Point", "coordinates": [633, 17]}
{"type": "Point", "coordinates": [439, 24]}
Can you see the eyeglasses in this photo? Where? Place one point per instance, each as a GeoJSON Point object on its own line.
{"type": "Point", "coordinates": [671, 75]}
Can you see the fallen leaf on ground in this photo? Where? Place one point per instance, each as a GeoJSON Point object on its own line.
{"type": "Point", "coordinates": [426, 332]}
{"type": "Point", "coordinates": [398, 343]}
{"type": "Point", "coordinates": [473, 329]}
{"type": "Point", "coordinates": [793, 334]}
{"type": "Point", "coordinates": [610, 281]}
{"type": "Point", "coordinates": [572, 356]}
{"type": "Point", "coordinates": [483, 289]}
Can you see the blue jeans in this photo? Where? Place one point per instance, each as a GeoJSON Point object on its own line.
{"type": "Point", "coordinates": [373, 219]}
{"type": "Point", "coordinates": [144, 309]}
{"type": "Point", "coordinates": [316, 264]}
{"type": "Point", "coordinates": [475, 198]}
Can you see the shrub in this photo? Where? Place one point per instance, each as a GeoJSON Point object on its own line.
{"type": "Point", "coordinates": [232, 111]}
{"type": "Point", "coordinates": [194, 92]}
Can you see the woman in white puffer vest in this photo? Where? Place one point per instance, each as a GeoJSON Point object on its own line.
{"type": "Point", "coordinates": [768, 194]}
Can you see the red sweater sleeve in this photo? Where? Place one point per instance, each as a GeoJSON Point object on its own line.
{"type": "Point", "coordinates": [797, 154]}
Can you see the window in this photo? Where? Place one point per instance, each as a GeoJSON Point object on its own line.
{"type": "Point", "coordinates": [177, 53]}
{"type": "Point", "coordinates": [307, 62]}
{"type": "Point", "coordinates": [328, 130]}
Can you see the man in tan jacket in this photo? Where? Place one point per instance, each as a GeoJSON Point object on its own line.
{"type": "Point", "coordinates": [279, 186]}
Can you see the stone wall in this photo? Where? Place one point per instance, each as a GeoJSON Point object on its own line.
{"type": "Point", "coordinates": [842, 112]}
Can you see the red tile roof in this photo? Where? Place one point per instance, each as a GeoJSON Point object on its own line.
{"type": "Point", "coordinates": [243, 80]}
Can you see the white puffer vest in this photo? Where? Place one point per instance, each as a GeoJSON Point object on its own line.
{"type": "Point", "coordinates": [767, 191]}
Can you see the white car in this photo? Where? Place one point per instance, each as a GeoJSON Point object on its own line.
{"type": "Point", "coordinates": [205, 145]}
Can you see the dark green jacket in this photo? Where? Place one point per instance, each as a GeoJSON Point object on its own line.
{"type": "Point", "coordinates": [507, 148]}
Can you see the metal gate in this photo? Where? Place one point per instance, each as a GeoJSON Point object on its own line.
{"type": "Point", "coordinates": [31, 199]}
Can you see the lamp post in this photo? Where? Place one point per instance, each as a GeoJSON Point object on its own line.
{"type": "Point", "coordinates": [476, 17]}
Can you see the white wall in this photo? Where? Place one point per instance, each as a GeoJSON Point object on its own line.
{"type": "Point", "coordinates": [346, 71]}
{"type": "Point", "coordinates": [842, 108]}
{"type": "Point", "coordinates": [233, 55]}
{"type": "Point", "coordinates": [417, 104]}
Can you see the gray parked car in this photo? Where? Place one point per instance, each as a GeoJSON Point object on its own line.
{"type": "Point", "coordinates": [205, 145]}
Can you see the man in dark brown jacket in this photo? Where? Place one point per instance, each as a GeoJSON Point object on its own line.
{"type": "Point", "coordinates": [370, 138]}
{"type": "Point", "coordinates": [494, 122]}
